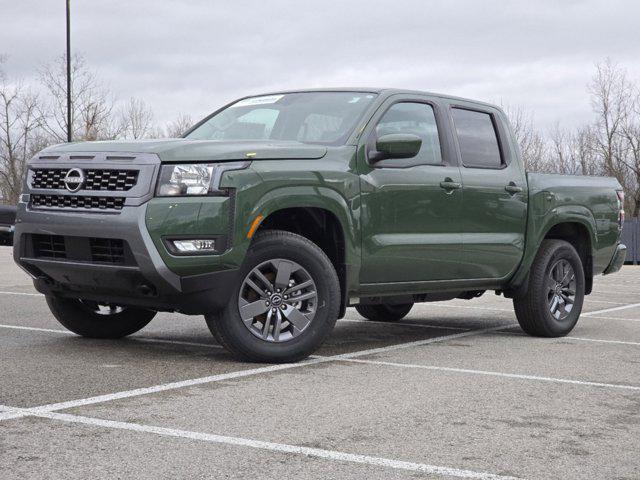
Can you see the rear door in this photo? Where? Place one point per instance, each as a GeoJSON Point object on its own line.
{"type": "Point", "coordinates": [410, 207]}
{"type": "Point", "coordinates": [494, 205]}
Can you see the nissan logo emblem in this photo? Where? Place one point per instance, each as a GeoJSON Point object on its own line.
{"type": "Point", "coordinates": [74, 180]}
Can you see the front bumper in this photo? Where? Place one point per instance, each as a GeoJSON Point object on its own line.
{"type": "Point", "coordinates": [148, 283]}
{"type": "Point", "coordinates": [618, 259]}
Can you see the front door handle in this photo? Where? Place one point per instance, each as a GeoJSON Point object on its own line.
{"type": "Point", "coordinates": [512, 188]}
{"type": "Point", "coordinates": [449, 184]}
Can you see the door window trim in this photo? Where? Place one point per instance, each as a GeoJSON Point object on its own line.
{"type": "Point", "coordinates": [437, 113]}
{"type": "Point", "coordinates": [504, 160]}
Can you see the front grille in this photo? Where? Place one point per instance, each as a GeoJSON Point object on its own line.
{"type": "Point", "coordinates": [77, 202]}
{"type": "Point", "coordinates": [49, 246]}
{"type": "Point", "coordinates": [96, 179]}
{"type": "Point", "coordinates": [107, 250]}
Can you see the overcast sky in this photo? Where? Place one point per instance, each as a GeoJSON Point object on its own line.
{"type": "Point", "coordinates": [192, 56]}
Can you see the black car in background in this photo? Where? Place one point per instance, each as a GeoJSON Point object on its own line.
{"type": "Point", "coordinates": [7, 222]}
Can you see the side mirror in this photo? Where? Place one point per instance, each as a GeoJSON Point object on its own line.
{"type": "Point", "coordinates": [396, 145]}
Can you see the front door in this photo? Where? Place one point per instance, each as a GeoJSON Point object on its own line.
{"type": "Point", "coordinates": [410, 207]}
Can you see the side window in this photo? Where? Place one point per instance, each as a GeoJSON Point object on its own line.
{"type": "Point", "coordinates": [477, 139]}
{"type": "Point", "coordinates": [417, 119]}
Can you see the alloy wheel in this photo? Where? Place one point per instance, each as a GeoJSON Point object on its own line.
{"type": "Point", "coordinates": [561, 289]}
{"type": "Point", "coordinates": [277, 300]}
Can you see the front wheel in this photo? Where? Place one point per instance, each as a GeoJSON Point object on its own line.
{"type": "Point", "coordinates": [95, 320]}
{"type": "Point", "coordinates": [285, 304]}
{"type": "Point", "coordinates": [553, 301]}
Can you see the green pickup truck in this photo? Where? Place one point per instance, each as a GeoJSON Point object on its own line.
{"type": "Point", "coordinates": [277, 212]}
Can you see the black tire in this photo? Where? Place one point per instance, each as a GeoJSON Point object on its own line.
{"type": "Point", "coordinates": [384, 313]}
{"type": "Point", "coordinates": [82, 318]}
{"type": "Point", "coordinates": [227, 325]}
{"type": "Point", "coordinates": [533, 309]}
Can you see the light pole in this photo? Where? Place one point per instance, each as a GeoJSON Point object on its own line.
{"type": "Point", "coordinates": [68, 73]}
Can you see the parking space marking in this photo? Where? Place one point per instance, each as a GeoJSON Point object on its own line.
{"type": "Point", "coordinates": [619, 342]}
{"type": "Point", "coordinates": [616, 318]}
{"type": "Point", "coordinates": [21, 293]}
{"type": "Point", "coordinates": [589, 313]}
{"type": "Point", "coordinates": [129, 339]}
{"type": "Point", "coordinates": [437, 327]}
{"type": "Point", "coordinates": [612, 309]}
{"type": "Point", "coordinates": [36, 329]}
{"type": "Point", "coordinates": [254, 371]}
{"type": "Point", "coordinates": [593, 300]}
{"type": "Point", "coordinates": [569, 337]}
{"type": "Point", "coordinates": [495, 374]}
{"type": "Point", "coordinates": [448, 305]}
{"type": "Point", "coordinates": [270, 446]}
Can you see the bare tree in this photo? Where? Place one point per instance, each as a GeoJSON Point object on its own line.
{"type": "Point", "coordinates": [92, 105]}
{"type": "Point", "coordinates": [136, 120]}
{"type": "Point", "coordinates": [630, 155]}
{"type": "Point", "coordinates": [179, 126]}
{"type": "Point", "coordinates": [531, 142]}
{"type": "Point", "coordinates": [20, 135]}
{"type": "Point", "coordinates": [610, 93]}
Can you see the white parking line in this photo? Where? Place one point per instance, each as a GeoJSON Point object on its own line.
{"type": "Point", "coordinates": [615, 318]}
{"type": "Point", "coordinates": [21, 293]}
{"type": "Point", "coordinates": [570, 337]}
{"type": "Point", "coordinates": [449, 305]}
{"type": "Point", "coordinates": [598, 340]}
{"type": "Point", "coordinates": [36, 329]}
{"type": "Point", "coordinates": [249, 372]}
{"type": "Point", "coordinates": [593, 312]}
{"type": "Point", "coordinates": [128, 339]}
{"type": "Point", "coordinates": [270, 446]}
{"type": "Point", "coordinates": [612, 309]}
{"type": "Point", "coordinates": [496, 374]}
{"type": "Point", "coordinates": [408, 324]}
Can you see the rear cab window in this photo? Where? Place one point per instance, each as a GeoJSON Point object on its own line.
{"type": "Point", "coordinates": [478, 138]}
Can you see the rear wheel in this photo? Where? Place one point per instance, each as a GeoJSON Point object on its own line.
{"type": "Point", "coordinates": [97, 320]}
{"type": "Point", "coordinates": [553, 302]}
{"type": "Point", "coordinates": [285, 304]}
{"type": "Point", "coordinates": [384, 313]}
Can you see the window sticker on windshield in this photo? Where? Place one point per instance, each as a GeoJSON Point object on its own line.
{"type": "Point", "coordinates": [265, 100]}
{"type": "Point", "coordinates": [354, 100]}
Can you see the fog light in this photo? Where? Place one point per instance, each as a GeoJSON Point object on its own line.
{"type": "Point", "coordinates": [195, 245]}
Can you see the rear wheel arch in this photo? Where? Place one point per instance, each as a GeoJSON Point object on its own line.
{"type": "Point", "coordinates": [578, 235]}
{"type": "Point", "coordinates": [578, 231]}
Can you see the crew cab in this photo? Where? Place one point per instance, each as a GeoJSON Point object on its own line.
{"type": "Point", "coordinates": [277, 212]}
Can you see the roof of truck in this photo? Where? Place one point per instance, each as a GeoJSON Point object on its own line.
{"type": "Point", "coordinates": [380, 91]}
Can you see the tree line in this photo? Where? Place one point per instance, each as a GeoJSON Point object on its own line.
{"type": "Point", "coordinates": [33, 116]}
{"type": "Point", "coordinates": [608, 145]}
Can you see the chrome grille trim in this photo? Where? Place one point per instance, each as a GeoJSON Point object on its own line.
{"type": "Point", "coordinates": [77, 202]}
{"type": "Point", "coordinates": [112, 181]}
{"type": "Point", "coordinates": [96, 179]}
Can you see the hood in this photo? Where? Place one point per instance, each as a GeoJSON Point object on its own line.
{"type": "Point", "coordinates": [182, 149]}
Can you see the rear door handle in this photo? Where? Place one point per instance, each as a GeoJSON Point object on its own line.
{"type": "Point", "coordinates": [449, 184]}
{"type": "Point", "coordinates": [513, 188]}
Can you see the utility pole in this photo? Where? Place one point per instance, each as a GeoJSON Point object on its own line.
{"type": "Point", "coordinates": [69, 133]}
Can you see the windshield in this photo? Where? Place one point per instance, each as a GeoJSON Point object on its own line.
{"type": "Point", "coordinates": [325, 118]}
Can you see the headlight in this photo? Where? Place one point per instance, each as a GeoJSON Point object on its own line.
{"type": "Point", "coordinates": [193, 178]}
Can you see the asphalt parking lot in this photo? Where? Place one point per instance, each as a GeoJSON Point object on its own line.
{"type": "Point", "coordinates": [454, 390]}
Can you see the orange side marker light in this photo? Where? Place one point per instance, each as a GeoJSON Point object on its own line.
{"type": "Point", "coordinates": [254, 226]}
